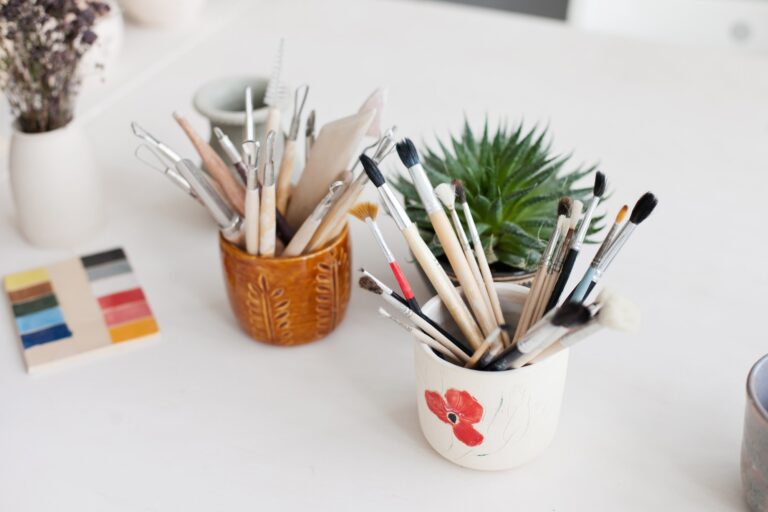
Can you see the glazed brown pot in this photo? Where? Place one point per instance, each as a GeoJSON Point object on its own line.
{"type": "Point", "coordinates": [289, 301]}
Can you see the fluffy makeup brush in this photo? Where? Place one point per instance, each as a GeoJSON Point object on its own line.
{"type": "Point", "coordinates": [372, 286]}
{"type": "Point", "coordinates": [367, 213]}
{"type": "Point", "coordinates": [578, 238]}
{"type": "Point", "coordinates": [421, 336]}
{"type": "Point", "coordinates": [445, 234]}
{"type": "Point", "coordinates": [548, 330]}
{"type": "Point", "coordinates": [642, 209]}
{"type": "Point", "coordinates": [435, 273]}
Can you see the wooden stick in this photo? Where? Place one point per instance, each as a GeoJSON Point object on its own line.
{"type": "Point", "coordinates": [272, 124]}
{"type": "Point", "coordinates": [487, 344]}
{"type": "Point", "coordinates": [283, 192]}
{"type": "Point", "coordinates": [267, 214]}
{"type": "Point", "coordinates": [304, 234]}
{"type": "Point", "coordinates": [214, 165]}
{"type": "Point", "coordinates": [252, 213]}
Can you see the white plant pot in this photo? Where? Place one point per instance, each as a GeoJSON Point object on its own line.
{"type": "Point", "coordinates": [56, 186]}
{"type": "Point", "coordinates": [488, 420]}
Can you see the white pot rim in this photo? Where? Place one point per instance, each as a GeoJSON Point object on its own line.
{"type": "Point", "coordinates": [205, 98]}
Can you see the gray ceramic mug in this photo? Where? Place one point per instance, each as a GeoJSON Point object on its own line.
{"type": "Point", "coordinates": [754, 448]}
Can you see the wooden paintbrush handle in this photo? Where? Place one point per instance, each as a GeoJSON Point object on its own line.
{"type": "Point", "coordinates": [458, 261]}
{"type": "Point", "coordinates": [267, 222]}
{"type": "Point", "coordinates": [336, 215]}
{"type": "Point", "coordinates": [443, 286]}
{"type": "Point", "coordinates": [531, 303]}
{"type": "Point", "coordinates": [215, 166]}
{"type": "Point", "coordinates": [283, 192]}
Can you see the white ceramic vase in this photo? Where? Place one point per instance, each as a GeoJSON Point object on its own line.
{"type": "Point", "coordinates": [488, 420]}
{"type": "Point", "coordinates": [56, 186]}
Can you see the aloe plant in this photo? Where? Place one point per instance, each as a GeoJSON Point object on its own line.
{"type": "Point", "coordinates": [513, 183]}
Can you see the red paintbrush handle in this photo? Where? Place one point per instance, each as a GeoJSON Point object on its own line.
{"type": "Point", "coordinates": [401, 280]}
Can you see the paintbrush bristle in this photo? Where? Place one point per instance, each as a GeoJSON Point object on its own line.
{"type": "Point", "coordinates": [571, 314]}
{"type": "Point", "coordinates": [599, 188]}
{"type": "Point", "coordinates": [618, 312]}
{"type": "Point", "coordinates": [447, 195]}
{"type": "Point", "coordinates": [369, 284]}
{"type": "Point", "coordinates": [364, 210]}
{"type": "Point", "coordinates": [576, 208]}
{"type": "Point", "coordinates": [372, 170]}
{"type": "Point", "coordinates": [622, 213]}
{"type": "Point", "coordinates": [643, 208]}
{"type": "Point", "coordinates": [564, 206]}
{"type": "Point", "coordinates": [407, 152]}
{"type": "Point", "coordinates": [461, 194]}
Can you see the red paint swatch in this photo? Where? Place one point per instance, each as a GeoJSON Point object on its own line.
{"type": "Point", "coordinates": [117, 299]}
{"type": "Point", "coordinates": [126, 313]}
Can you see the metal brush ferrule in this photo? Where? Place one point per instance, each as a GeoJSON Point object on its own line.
{"type": "Point", "coordinates": [424, 189]}
{"type": "Point", "coordinates": [394, 207]}
{"type": "Point", "coordinates": [616, 246]}
{"type": "Point", "coordinates": [377, 234]}
{"type": "Point", "coordinates": [549, 250]}
{"type": "Point", "coordinates": [581, 234]}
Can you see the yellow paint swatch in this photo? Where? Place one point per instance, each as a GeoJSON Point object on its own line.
{"type": "Point", "coordinates": [25, 279]}
{"type": "Point", "coordinates": [136, 329]}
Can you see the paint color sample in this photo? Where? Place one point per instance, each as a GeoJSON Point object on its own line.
{"type": "Point", "coordinates": [78, 306]}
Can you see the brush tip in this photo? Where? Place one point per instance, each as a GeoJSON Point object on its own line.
{"type": "Point", "coordinates": [599, 188]}
{"type": "Point", "coordinates": [461, 194]}
{"type": "Point", "coordinates": [447, 194]}
{"type": "Point", "coordinates": [217, 131]}
{"type": "Point", "coordinates": [363, 211]}
{"type": "Point", "coordinates": [369, 284]}
{"type": "Point", "coordinates": [622, 214]}
{"type": "Point", "coordinates": [407, 152]}
{"type": "Point", "coordinates": [618, 312]}
{"type": "Point", "coordinates": [564, 206]}
{"type": "Point", "coordinates": [372, 170]}
{"type": "Point", "coordinates": [643, 208]}
{"type": "Point", "coordinates": [571, 314]}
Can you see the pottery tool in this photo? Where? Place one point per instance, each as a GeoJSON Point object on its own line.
{"type": "Point", "coordinates": [304, 233]}
{"type": "Point", "coordinates": [272, 98]}
{"type": "Point", "coordinates": [493, 337]}
{"type": "Point", "coordinates": [551, 299]}
{"type": "Point", "coordinates": [367, 213]}
{"type": "Point", "coordinates": [252, 194]}
{"type": "Point", "coordinates": [336, 146]}
{"type": "Point", "coordinates": [283, 192]}
{"type": "Point", "coordinates": [233, 154]}
{"type": "Point", "coordinates": [78, 307]}
{"type": "Point", "coordinates": [549, 329]}
{"type": "Point", "coordinates": [336, 218]}
{"type": "Point", "coordinates": [159, 164]}
{"type": "Point", "coordinates": [446, 193]}
{"type": "Point", "coordinates": [578, 239]}
{"type": "Point", "coordinates": [435, 273]}
{"type": "Point", "coordinates": [642, 209]}
{"type": "Point", "coordinates": [610, 311]}
{"type": "Point", "coordinates": [214, 165]}
{"type": "Point", "coordinates": [421, 336]}
{"type": "Point", "coordinates": [229, 222]}
{"type": "Point", "coordinates": [369, 284]}
{"type": "Point", "coordinates": [309, 136]}
{"type": "Point", "coordinates": [445, 234]}
{"type": "Point", "coordinates": [248, 129]}
{"type": "Point", "coordinates": [410, 304]}
{"type": "Point", "coordinates": [376, 102]}
{"type": "Point", "coordinates": [267, 210]}
{"type": "Point", "coordinates": [482, 260]}
{"type": "Point", "coordinates": [169, 154]}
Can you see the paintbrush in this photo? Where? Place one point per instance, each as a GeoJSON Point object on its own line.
{"type": "Point", "coordinates": [372, 286]}
{"type": "Point", "coordinates": [445, 234]}
{"type": "Point", "coordinates": [283, 192]}
{"type": "Point", "coordinates": [421, 336]}
{"type": "Point", "coordinates": [493, 338]}
{"type": "Point", "coordinates": [550, 301]}
{"type": "Point", "coordinates": [435, 273]}
{"type": "Point", "coordinates": [232, 153]}
{"type": "Point", "coordinates": [578, 240]}
{"type": "Point", "coordinates": [252, 193]}
{"type": "Point", "coordinates": [545, 264]}
{"type": "Point", "coordinates": [267, 210]}
{"type": "Point", "coordinates": [548, 330]}
{"type": "Point", "coordinates": [309, 135]}
{"type": "Point", "coordinates": [272, 98]}
{"type": "Point", "coordinates": [610, 311]}
{"type": "Point", "coordinates": [367, 213]}
{"type": "Point", "coordinates": [482, 260]}
{"type": "Point", "coordinates": [410, 304]}
{"type": "Point", "coordinates": [214, 165]}
{"type": "Point", "coordinates": [642, 209]}
{"type": "Point", "coordinates": [304, 234]}
{"type": "Point", "coordinates": [248, 128]}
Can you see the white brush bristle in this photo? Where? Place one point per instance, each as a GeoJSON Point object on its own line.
{"type": "Point", "coordinates": [446, 192]}
{"type": "Point", "coordinates": [275, 89]}
{"type": "Point", "coordinates": [618, 312]}
{"type": "Point", "coordinates": [576, 210]}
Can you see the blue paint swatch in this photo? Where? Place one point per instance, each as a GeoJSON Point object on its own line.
{"type": "Point", "coordinates": [56, 332]}
{"type": "Point", "coordinates": [40, 320]}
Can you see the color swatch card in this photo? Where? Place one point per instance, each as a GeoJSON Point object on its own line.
{"type": "Point", "coordinates": [77, 307]}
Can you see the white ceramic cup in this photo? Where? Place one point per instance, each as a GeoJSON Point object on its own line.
{"type": "Point", "coordinates": [488, 420]}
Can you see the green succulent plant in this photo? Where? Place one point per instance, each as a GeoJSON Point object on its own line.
{"type": "Point", "coordinates": [513, 183]}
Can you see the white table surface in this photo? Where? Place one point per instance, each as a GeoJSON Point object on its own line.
{"type": "Point", "coordinates": [206, 419]}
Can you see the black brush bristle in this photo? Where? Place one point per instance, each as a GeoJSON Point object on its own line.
{"type": "Point", "coordinates": [369, 284]}
{"type": "Point", "coordinates": [643, 208]}
{"type": "Point", "coordinates": [571, 314]}
{"type": "Point", "coordinates": [461, 194]}
{"type": "Point", "coordinates": [372, 170]}
{"type": "Point", "coordinates": [564, 206]}
{"type": "Point", "coordinates": [407, 152]}
{"type": "Point", "coordinates": [599, 189]}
